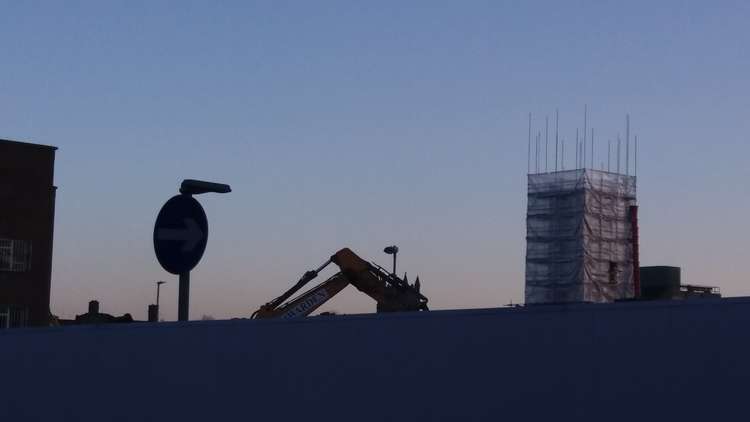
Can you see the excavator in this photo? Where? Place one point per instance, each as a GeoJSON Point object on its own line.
{"type": "Point", "coordinates": [391, 293]}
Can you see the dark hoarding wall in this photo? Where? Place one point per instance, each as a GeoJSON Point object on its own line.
{"type": "Point", "coordinates": [685, 361]}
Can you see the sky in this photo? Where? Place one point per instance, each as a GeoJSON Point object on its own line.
{"type": "Point", "coordinates": [365, 124]}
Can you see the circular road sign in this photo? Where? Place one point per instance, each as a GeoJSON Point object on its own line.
{"type": "Point", "coordinates": [180, 234]}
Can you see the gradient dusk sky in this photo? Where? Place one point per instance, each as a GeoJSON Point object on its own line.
{"type": "Point", "coordinates": [365, 124]}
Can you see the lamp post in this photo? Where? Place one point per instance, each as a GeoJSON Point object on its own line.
{"type": "Point", "coordinates": [181, 234]}
{"type": "Point", "coordinates": [392, 250]}
{"type": "Point", "coordinates": [191, 187]}
{"type": "Point", "coordinates": [158, 286]}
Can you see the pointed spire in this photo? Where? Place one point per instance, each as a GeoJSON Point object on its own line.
{"type": "Point", "coordinates": [417, 284]}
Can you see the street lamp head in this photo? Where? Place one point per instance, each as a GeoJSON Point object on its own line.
{"type": "Point", "coordinates": [197, 187]}
{"type": "Point", "coordinates": [159, 283]}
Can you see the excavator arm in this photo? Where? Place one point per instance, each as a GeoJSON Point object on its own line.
{"type": "Point", "coordinates": [391, 293]}
{"type": "Point", "coordinates": [306, 303]}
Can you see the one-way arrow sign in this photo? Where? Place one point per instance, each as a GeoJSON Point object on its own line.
{"type": "Point", "coordinates": [180, 234]}
{"type": "Point", "coordinates": [190, 235]}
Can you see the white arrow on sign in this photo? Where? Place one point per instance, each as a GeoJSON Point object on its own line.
{"type": "Point", "coordinates": [191, 235]}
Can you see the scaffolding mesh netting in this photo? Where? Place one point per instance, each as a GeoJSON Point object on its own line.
{"type": "Point", "coordinates": [579, 237]}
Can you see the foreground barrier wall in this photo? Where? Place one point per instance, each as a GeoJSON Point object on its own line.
{"type": "Point", "coordinates": [685, 361]}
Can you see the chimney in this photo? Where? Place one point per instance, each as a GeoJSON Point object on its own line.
{"type": "Point", "coordinates": [153, 313]}
{"type": "Point", "coordinates": [94, 307]}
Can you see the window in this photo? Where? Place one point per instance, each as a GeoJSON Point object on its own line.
{"type": "Point", "coordinates": [15, 255]}
{"type": "Point", "coordinates": [612, 272]}
{"type": "Point", "coordinates": [13, 316]}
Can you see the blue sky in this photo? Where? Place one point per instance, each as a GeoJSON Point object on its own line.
{"type": "Point", "coordinates": [364, 124]}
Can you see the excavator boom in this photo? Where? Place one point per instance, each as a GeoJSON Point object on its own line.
{"type": "Point", "coordinates": [307, 303]}
{"type": "Point", "coordinates": [391, 293]}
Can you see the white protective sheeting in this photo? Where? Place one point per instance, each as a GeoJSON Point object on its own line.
{"type": "Point", "coordinates": [579, 237]}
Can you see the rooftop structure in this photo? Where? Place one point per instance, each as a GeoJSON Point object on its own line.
{"type": "Point", "coordinates": [664, 283]}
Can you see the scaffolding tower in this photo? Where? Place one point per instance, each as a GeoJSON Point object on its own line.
{"type": "Point", "coordinates": [581, 237]}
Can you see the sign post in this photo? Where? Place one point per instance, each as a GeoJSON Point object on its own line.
{"type": "Point", "coordinates": [183, 299]}
{"type": "Point", "coordinates": [181, 235]}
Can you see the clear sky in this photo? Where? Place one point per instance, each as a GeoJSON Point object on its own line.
{"type": "Point", "coordinates": [364, 124]}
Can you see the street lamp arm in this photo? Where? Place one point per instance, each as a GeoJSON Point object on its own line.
{"type": "Point", "coordinates": [197, 187]}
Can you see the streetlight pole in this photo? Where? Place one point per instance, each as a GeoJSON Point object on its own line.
{"type": "Point", "coordinates": [183, 296]}
{"type": "Point", "coordinates": [191, 187]}
{"type": "Point", "coordinates": [158, 287]}
{"type": "Point", "coordinates": [392, 250]}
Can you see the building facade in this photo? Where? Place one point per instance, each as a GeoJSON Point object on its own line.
{"type": "Point", "coordinates": [27, 214]}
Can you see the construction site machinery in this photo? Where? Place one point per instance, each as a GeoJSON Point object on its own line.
{"type": "Point", "coordinates": [391, 293]}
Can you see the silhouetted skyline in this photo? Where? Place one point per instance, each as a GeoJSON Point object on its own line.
{"type": "Point", "coordinates": [367, 125]}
